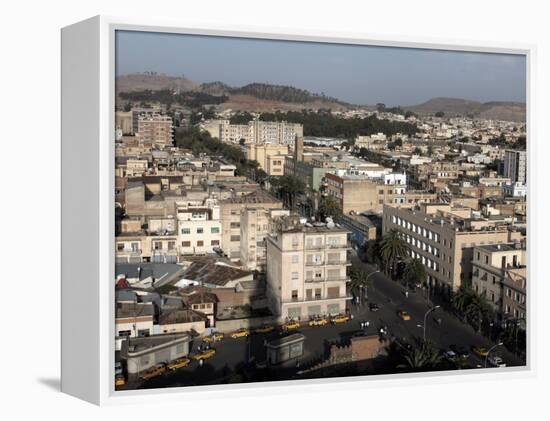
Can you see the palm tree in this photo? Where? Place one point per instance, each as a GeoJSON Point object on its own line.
{"type": "Point", "coordinates": [392, 248]}
{"type": "Point", "coordinates": [414, 272]}
{"type": "Point", "coordinates": [359, 280]}
{"type": "Point", "coordinates": [422, 358]}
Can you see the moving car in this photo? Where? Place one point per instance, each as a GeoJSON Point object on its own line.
{"type": "Point", "coordinates": [318, 321]}
{"type": "Point", "coordinates": [241, 333]}
{"type": "Point", "coordinates": [450, 355]}
{"type": "Point", "coordinates": [403, 315]}
{"type": "Point", "coordinates": [120, 380]}
{"type": "Point", "coordinates": [154, 371]}
{"type": "Point", "coordinates": [204, 355]}
{"type": "Point", "coordinates": [265, 329]}
{"type": "Point", "coordinates": [179, 363]}
{"type": "Point", "coordinates": [341, 318]}
{"type": "Point", "coordinates": [292, 325]}
{"type": "Point", "coordinates": [373, 307]}
{"type": "Point", "coordinates": [496, 361]}
{"type": "Point", "coordinates": [214, 337]}
{"type": "Point", "coordinates": [480, 351]}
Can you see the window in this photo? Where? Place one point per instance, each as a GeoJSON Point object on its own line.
{"type": "Point", "coordinates": [215, 242]}
{"type": "Point", "coordinates": [186, 243]}
{"type": "Point", "coordinates": [294, 295]}
{"type": "Point", "coordinates": [200, 243]}
{"type": "Point", "coordinates": [200, 230]}
{"type": "Point", "coordinates": [120, 246]}
{"type": "Point", "coordinates": [295, 275]}
{"type": "Point", "coordinates": [486, 259]}
{"type": "Point", "coordinates": [157, 245]}
{"type": "Point", "coordinates": [235, 238]}
{"type": "Point", "coordinates": [214, 230]}
{"type": "Point", "coordinates": [171, 245]}
{"type": "Point", "coordinates": [309, 294]}
{"type": "Point", "coordinates": [235, 225]}
{"type": "Point", "coordinates": [333, 292]}
{"type": "Point", "coordinates": [186, 230]}
{"type": "Point", "coordinates": [317, 293]}
{"type": "Point", "coordinates": [295, 258]}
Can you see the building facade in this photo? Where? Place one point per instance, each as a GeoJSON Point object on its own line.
{"type": "Point", "coordinates": [515, 166]}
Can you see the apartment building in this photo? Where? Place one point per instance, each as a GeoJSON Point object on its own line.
{"type": "Point", "coordinates": [256, 224]}
{"type": "Point", "coordinates": [256, 131]}
{"type": "Point", "coordinates": [199, 227]}
{"type": "Point", "coordinates": [271, 157]}
{"type": "Point", "coordinates": [500, 275]}
{"type": "Point", "coordinates": [515, 165]}
{"type": "Point", "coordinates": [155, 129]}
{"type": "Point", "coordinates": [443, 238]}
{"type": "Point", "coordinates": [307, 270]}
{"type": "Point", "coordinates": [230, 214]}
{"type": "Point", "coordinates": [358, 193]}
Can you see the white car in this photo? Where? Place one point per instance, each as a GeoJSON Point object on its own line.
{"type": "Point", "coordinates": [496, 361]}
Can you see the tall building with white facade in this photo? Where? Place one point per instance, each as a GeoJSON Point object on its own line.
{"type": "Point", "coordinates": [256, 131]}
{"type": "Point", "coordinates": [307, 270]}
{"type": "Point", "coordinates": [199, 227]}
{"type": "Point", "coordinates": [515, 166]}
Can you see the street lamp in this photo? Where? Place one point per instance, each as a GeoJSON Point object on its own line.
{"type": "Point", "coordinates": [368, 276]}
{"type": "Point", "coordinates": [426, 315]}
{"type": "Point", "coordinates": [488, 352]}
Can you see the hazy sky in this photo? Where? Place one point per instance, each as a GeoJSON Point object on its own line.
{"type": "Point", "coordinates": [357, 74]}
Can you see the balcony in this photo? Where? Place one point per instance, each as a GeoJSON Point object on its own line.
{"type": "Point", "coordinates": [315, 247]}
{"type": "Point", "coordinates": [306, 300]}
{"type": "Point", "coordinates": [128, 252]}
{"type": "Point", "coordinates": [346, 245]}
{"type": "Point", "coordinates": [316, 263]}
{"type": "Point", "coordinates": [339, 262]}
{"type": "Point", "coordinates": [327, 279]}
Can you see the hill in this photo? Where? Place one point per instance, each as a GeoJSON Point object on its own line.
{"type": "Point", "coordinates": [510, 111]}
{"type": "Point", "coordinates": [153, 81]}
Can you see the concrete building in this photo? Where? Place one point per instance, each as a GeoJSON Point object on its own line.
{"type": "Point", "coordinates": [515, 166]}
{"type": "Point", "coordinates": [515, 190]}
{"type": "Point", "coordinates": [155, 129]}
{"type": "Point", "coordinates": [124, 122]}
{"type": "Point", "coordinates": [443, 238]}
{"type": "Point", "coordinates": [307, 270]}
{"type": "Point", "coordinates": [199, 227]}
{"type": "Point", "coordinates": [500, 275]}
{"type": "Point", "coordinates": [256, 131]}
{"type": "Point", "coordinates": [271, 157]}
{"type": "Point", "coordinates": [230, 215]}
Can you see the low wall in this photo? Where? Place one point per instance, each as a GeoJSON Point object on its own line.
{"type": "Point", "coordinates": [227, 326]}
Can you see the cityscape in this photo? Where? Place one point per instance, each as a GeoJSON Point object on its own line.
{"type": "Point", "coordinates": [281, 220]}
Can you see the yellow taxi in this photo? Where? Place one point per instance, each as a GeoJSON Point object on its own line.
{"type": "Point", "coordinates": [480, 351]}
{"type": "Point", "coordinates": [154, 371]}
{"type": "Point", "coordinates": [403, 315]}
{"type": "Point", "coordinates": [120, 380]}
{"type": "Point", "coordinates": [179, 363]}
{"type": "Point", "coordinates": [215, 337]}
{"type": "Point", "coordinates": [204, 355]}
{"type": "Point", "coordinates": [292, 325]}
{"type": "Point", "coordinates": [318, 321]}
{"type": "Point", "coordinates": [265, 329]}
{"type": "Point", "coordinates": [341, 318]}
{"type": "Point", "coordinates": [241, 333]}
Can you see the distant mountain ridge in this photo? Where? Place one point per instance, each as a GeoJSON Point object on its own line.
{"type": "Point", "coordinates": [265, 97]}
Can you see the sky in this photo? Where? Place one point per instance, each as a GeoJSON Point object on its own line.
{"type": "Point", "coordinates": [352, 73]}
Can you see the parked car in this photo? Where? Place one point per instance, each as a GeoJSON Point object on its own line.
{"type": "Point", "coordinates": [480, 351]}
{"type": "Point", "coordinates": [179, 363]}
{"type": "Point", "coordinates": [240, 333]}
{"type": "Point", "coordinates": [318, 321]}
{"type": "Point", "coordinates": [496, 361]}
{"type": "Point", "coordinates": [341, 318]}
{"type": "Point", "coordinates": [265, 329]}
{"type": "Point", "coordinates": [461, 351]}
{"type": "Point", "coordinates": [373, 307]}
{"type": "Point", "coordinates": [291, 325]}
{"type": "Point", "coordinates": [204, 355]}
{"type": "Point", "coordinates": [403, 315]}
{"type": "Point", "coordinates": [214, 337]}
{"type": "Point", "coordinates": [450, 355]}
{"type": "Point", "coordinates": [154, 371]}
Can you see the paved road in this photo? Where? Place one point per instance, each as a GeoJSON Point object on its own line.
{"type": "Point", "coordinates": [232, 354]}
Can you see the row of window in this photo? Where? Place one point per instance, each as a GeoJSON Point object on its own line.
{"type": "Point", "coordinates": [432, 264]}
{"type": "Point", "coordinates": [200, 243]}
{"type": "Point", "coordinates": [422, 245]}
{"type": "Point", "coordinates": [200, 230]}
{"type": "Point", "coordinates": [426, 233]}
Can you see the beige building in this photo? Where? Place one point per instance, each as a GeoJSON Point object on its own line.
{"type": "Point", "coordinates": [199, 227]}
{"type": "Point", "coordinates": [271, 157]}
{"type": "Point", "coordinates": [155, 129]}
{"type": "Point", "coordinates": [124, 122]}
{"type": "Point", "coordinates": [231, 209]}
{"type": "Point", "coordinates": [360, 194]}
{"type": "Point", "coordinates": [443, 238]}
{"type": "Point", "coordinates": [307, 270]}
{"type": "Point", "coordinates": [256, 131]}
{"type": "Point", "coordinates": [256, 224]}
{"type": "Point", "coordinates": [500, 275]}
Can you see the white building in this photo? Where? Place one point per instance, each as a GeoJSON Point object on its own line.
{"type": "Point", "coordinates": [515, 190]}
{"type": "Point", "coordinates": [199, 227]}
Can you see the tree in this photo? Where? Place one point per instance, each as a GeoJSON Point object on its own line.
{"type": "Point", "coordinates": [423, 358]}
{"type": "Point", "coordinates": [287, 188]}
{"type": "Point", "coordinates": [415, 272]}
{"type": "Point", "coordinates": [329, 207]}
{"type": "Point", "coordinates": [440, 114]}
{"type": "Point", "coordinates": [359, 280]}
{"type": "Point", "coordinates": [472, 307]}
{"type": "Point", "coordinates": [417, 151]}
{"type": "Point", "coordinates": [392, 248]}
{"type": "Point", "coordinates": [242, 141]}
{"type": "Point", "coordinates": [430, 151]}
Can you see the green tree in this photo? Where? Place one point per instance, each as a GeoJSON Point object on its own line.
{"type": "Point", "coordinates": [414, 272]}
{"type": "Point", "coordinates": [359, 281]}
{"type": "Point", "coordinates": [417, 151]}
{"type": "Point", "coordinates": [328, 207]}
{"type": "Point", "coordinates": [440, 114]}
{"type": "Point", "coordinates": [392, 248]}
{"type": "Point", "coordinates": [422, 358]}
{"type": "Point", "coordinates": [430, 151]}
{"type": "Point", "coordinates": [287, 188]}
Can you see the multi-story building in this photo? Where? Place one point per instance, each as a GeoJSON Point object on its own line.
{"type": "Point", "coordinates": [271, 157]}
{"type": "Point", "coordinates": [358, 193]}
{"type": "Point", "coordinates": [443, 238]}
{"type": "Point", "coordinates": [256, 224]}
{"type": "Point", "coordinates": [307, 270]}
{"type": "Point", "coordinates": [231, 210]}
{"type": "Point", "coordinates": [155, 129]}
{"type": "Point", "coordinates": [499, 274]}
{"type": "Point", "coordinates": [256, 131]}
{"type": "Point", "coordinates": [515, 165]}
{"type": "Point", "coordinates": [199, 227]}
